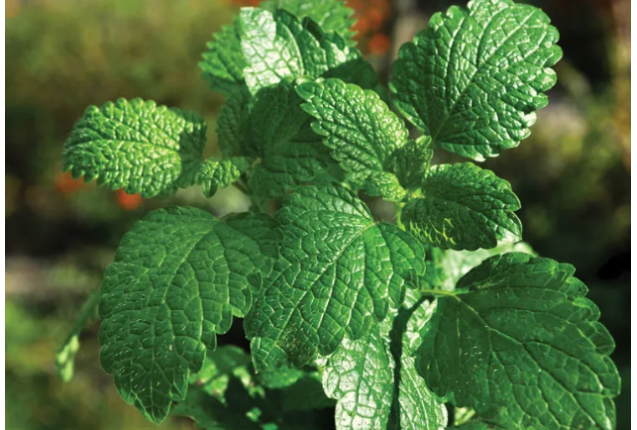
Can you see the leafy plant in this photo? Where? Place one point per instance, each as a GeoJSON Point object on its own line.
{"type": "Point", "coordinates": [394, 324]}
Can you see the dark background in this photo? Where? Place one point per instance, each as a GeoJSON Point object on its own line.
{"type": "Point", "coordinates": [572, 175]}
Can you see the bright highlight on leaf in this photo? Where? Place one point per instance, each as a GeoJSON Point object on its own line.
{"type": "Point", "coordinates": [338, 275]}
{"type": "Point", "coordinates": [464, 207]}
{"type": "Point", "coordinates": [475, 77]}
{"type": "Point", "coordinates": [522, 346]}
{"type": "Point", "coordinates": [375, 380]}
{"type": "Point", "coordinates": [278, 46]}
{"type": "Point", "coordinates": [179, 277]}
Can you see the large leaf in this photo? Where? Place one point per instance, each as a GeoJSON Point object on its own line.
{"type": "Point", "coordinates": [375, 379]}
{"type": "Point", "coordinates": [179, 276]}
{"type": "Point", "coordinates": [338, 274]}
{"type": "Point", "coordinates": [464, 207]}
{"type": "Point", "coordinates": [143, 148]}
{"type": "Point", "coordinates": [359, 128]}
{"type": "Point", "coordinates": [277, 45]}
{"type": "Point", "coordinates": [522, 346]}
{"type": "Point", "coordinates": [475, 77]}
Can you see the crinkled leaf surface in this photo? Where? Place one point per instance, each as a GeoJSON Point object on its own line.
{"type": "Point", "coordinates": [145, 149]}
{"type": "Point", "coordinates": [272, 127]}
{"type": "Point", "coordinates": [223, 63]}
{"type": "Point", "coordinates": [375, 381]}
{"type": "Point", "coordinates": [65, 355]}
{"type": "Point", "coordinates": [232, 125]}
{"type": "Point", "coordinates": [178, 278]}
{"type": "Point", "coordinates": [475, 77]}
{"type": "Point", "coordinates": [338, 274]}
{"type": "Point", "coordinates": [411, 162]}
{"type": "Point", "coordinates": [464, 207]}
{"type": "Point", "coordinates": [522, 346]}
{"type": "Point", "coordinates": [216, 173]}
{"type": "Point", "coordinates": [290, 154]}
{"type": "Point", "coordinates": [136, 145]}
{"type": "Point", "coordinates": [330, 15]}
{"type": "Point", "coordinates": [277, 45]}
{"type": "Point", "coordinates": [358, 127]}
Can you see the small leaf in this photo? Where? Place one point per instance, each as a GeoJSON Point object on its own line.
{"type": "Point", "coordinates": [475, 77]}
{"type": "Point", "coordinates": [330, 15]}
{"type": "Point", "coordinates": [179, 276]}
{"type": "Point", "coordinates": [412, 161]}
{"type": "Point", "coordinates": [277, 46]}
{"type": "Point", "coordinates": [522, 346]}
{"type": "Point", "coordinates": [214, 173]}
{"type": "Point", "coordinates": [358, 127]}
{"type": "Point", "coordinates": [374, 378]}
{"type": "Point", "coordinates": [232, 124]}
{"type": "Point", "coordinates": [223, 62]}
{"type": "Point", "coordinates": [464, 207]}
{"type": "Point", "coordinates": [65, 355]}
{"type": "Point", "coordinates": [291, 154]}
{"type": "Point", "coordinates": [338, 274]}
{"type": "Point", "coordinates": [138, 146]}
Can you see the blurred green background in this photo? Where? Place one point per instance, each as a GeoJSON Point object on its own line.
{"type": "Point", "coordinates": [572, 175]}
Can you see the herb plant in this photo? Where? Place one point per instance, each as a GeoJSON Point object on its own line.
{"type": "Point", "coordinates": [441, 320]}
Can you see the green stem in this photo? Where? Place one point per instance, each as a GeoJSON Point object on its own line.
{"type": "Point", "coordinates": [438, 292]}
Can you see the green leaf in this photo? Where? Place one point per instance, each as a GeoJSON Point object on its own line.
{"type": "Point", "coordinates": [491, 69]}
{"type": "Point", "coordinates": [137, 145]}
{"type": "Point", "coordinates": [232, 124]}
{"type": "Point", "coordinates": [214, 173]}
{"type": "Point", "coordinates": [359, 128]}
{"type": "Point", "coordinates": [65, 355]}
{"type": "Point", "coordinates": [446, 266]}
{"type": "Point", "coordinates": [178, 278]}
{"type": "Point", "coordinates": [375, 379]}
{"type": "Point", "coordinates": [464, 207]}
{"type": "Point", "coordinates": [411, 162]}
{"type": "Point", "coordinates": [339, 272]}
{"type": "Point", "coordinates": [277, 45]}
{"type": "Point", "coordinates": [522, 346]}
{"type": "Point", "coordinates": [291, 154]}
{"type": "Point", "coordinates": [330, 15]}
{"type": "Point", "coordinates": [143, 148]}
{"type": "Point", "coordinates": [223, 62]}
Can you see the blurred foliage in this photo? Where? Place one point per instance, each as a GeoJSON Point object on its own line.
{"type": "Point", "coordinates": [572, 175]}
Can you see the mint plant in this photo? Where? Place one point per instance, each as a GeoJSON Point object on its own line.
{"type": "Point", "coordinates": [443, 319]}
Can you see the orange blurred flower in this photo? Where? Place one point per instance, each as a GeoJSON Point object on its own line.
{"type": "Point", "coordinates": [128, 202]}
{"type": "Point", "coordinates": [378, 44]}
{"type": "Point", "coordinates": [66, 184]}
